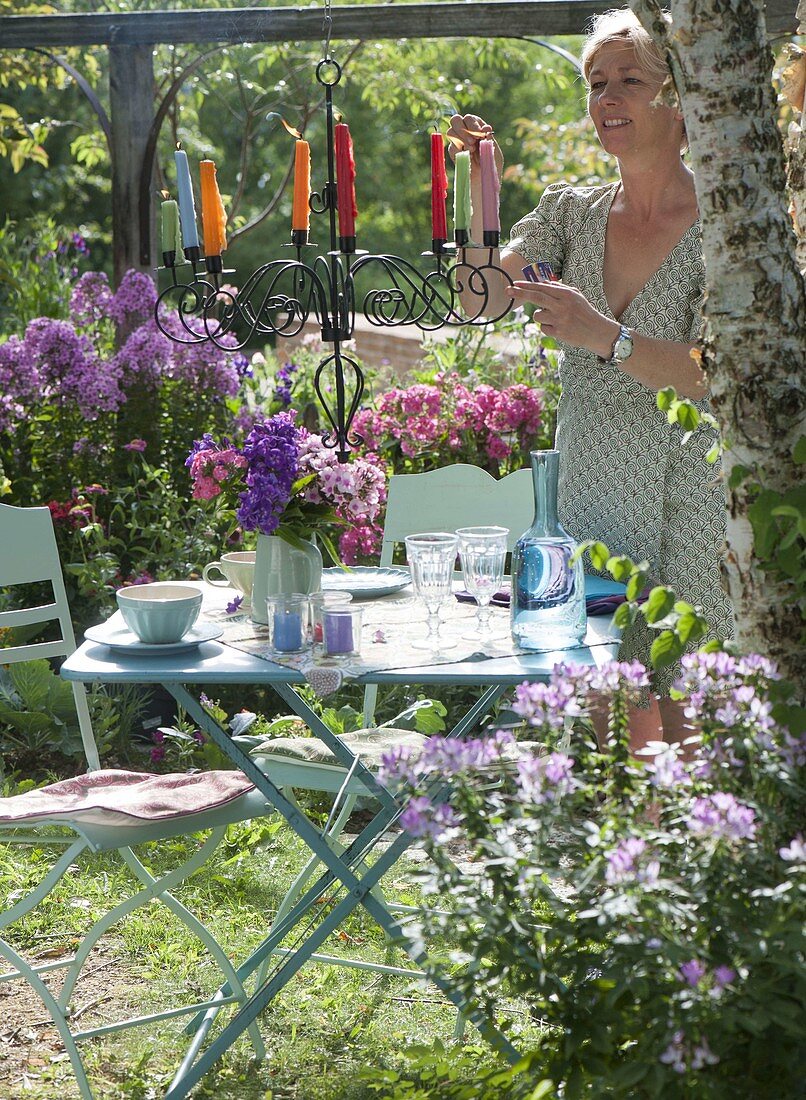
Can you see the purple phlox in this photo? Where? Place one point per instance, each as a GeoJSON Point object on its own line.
{"type": "Point", "coordinates": [234, 605]}
{"type": "Point", "coordinates": [447, 756]}
{"type": "Point", "coordinates": [91, 298]}
{"type": "Point", "coordinates": [547, 705]}
{"type": "Point", "coordinates": [723, 975]}
{"type": "Point", "coordinates": [398, 766]}
{"type": "Point", "coordinates": [630, 861]}
{"type": "Point", "coordinates": [795, 852]}
{"type": "Point", "coordinates": [620, 677]}
{"type": "Point", "coordinates": [666, 770]}
{"type": "Point", "coordinates": [69, 368]}
{"type": "Point", "coordinates": [272, 454]}
{"type": "Point", "coordinates": [692, 972]}
{"type": "Point", "coordinates": [135, 445]}
{"type": "Point", "coordinates": [721, 816]}
{"type": "Point", "coordinates": [422, 818]}
{"type": "Point", "coordinates": [199, 737]}
{"type": "Point", "coordinates": [682, 1056]}
{"type": "Point", "coordinates": [543, 779]}
{"type": "Point", "coordinates": [135, 297]}
{"type": "Point", "coordinates": [793, 749]}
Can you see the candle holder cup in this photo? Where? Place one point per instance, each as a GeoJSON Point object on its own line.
{"type": "Point", "coordinates": [341, 631]}
{"type": "Point", "coordinates": [320, 603]}
{"type": "Point", "coordinates": [288, 619]}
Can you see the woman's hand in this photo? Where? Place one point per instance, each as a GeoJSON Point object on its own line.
{"type": "Point", "coordinates": [564, 313]}
{"type": "Point", "coordinates": [470, 130]}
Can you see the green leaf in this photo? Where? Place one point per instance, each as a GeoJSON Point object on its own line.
{"type": "Point", "coordinates": [599, 555]}
{"type": "Point", "coordinates": [620, 568]}
{"type": "Point", "coordinates": [665, 398]}
{"type": "Point", "coordinates": [690, 626]}
{"type": "Point", "coordinates": [799, 451]}
{"type": "Point", "coordinates": [659, 604]}
{"type": "Point", "coordinates": [688, 416]}
{"type": "Point", "coordinates": [666, 649]}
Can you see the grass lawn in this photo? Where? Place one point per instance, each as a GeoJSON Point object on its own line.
{"type": "Point", "coordinates": [328, 1035]}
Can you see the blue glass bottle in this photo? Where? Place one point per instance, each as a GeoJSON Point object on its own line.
{"type": "Point", "coordinates": [547, 607]}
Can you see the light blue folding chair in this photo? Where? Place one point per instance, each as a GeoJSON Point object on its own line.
{"type": "Point", "coordinates": [103, 810]}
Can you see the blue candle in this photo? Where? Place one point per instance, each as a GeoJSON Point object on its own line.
{"type": "Point", "coordinates": [287, 635]}
{"type": "Point", "coordinates": [338, 633]}
{"type": "Point", "coordinates": [187, 204]}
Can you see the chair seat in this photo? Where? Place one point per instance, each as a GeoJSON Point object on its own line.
{"type": "Point", "coordinates": [112, 808]}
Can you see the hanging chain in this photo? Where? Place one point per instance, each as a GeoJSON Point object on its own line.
{"type": "Point", "coordinates": [327, 27]}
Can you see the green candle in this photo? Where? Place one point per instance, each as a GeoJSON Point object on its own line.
{"type": "Point", "coordinates": [461, 191]}
{"type": "Point", "coordinates": [171, 236]}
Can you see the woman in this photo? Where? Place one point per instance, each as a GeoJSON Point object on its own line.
{"type": "Point", "coordinates": [626, 313]}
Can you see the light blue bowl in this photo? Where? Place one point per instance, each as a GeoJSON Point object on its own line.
{"type": "Point", "coordinates": [159, 613]}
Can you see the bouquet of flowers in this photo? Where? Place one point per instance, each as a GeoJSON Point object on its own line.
{"type": "Point", "coordinates": [288, 483]}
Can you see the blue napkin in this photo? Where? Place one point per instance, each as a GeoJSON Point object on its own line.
{"type": "Point", "coordinates": [594, 604]}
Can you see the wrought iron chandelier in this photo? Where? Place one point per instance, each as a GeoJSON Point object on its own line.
{"type": "Point", "coordinates": [281, 295]}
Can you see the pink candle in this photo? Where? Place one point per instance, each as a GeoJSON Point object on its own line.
{"type": "Point", "coordinates": [490, 186]}
{"type": "Point", "coordinates": [439, 189]}
{"type": "Point", "coordinates": [345, 180]}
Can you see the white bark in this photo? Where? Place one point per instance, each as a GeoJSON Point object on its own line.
{"type": "Point", "coordinates": [755, 348]}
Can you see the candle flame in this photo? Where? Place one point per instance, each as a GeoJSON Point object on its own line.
{"type": "Point", "coordinates": [456, 142]}
{"type": "Point", "coordinates": [165, 194]}
{"type": "Point", "coordinates": [290, 129]}
{"type": "Point", "coordinates": [179, 144]}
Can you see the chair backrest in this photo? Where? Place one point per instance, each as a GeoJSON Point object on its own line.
{"type": "Point", "coordinates": [456, 496]}
{"type": "Point", "coordinates": [29, 555]}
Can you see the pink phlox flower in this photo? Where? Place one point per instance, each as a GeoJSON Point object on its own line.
{"type": "Point", "coordinates": [135, 445]}
{"type": "Point", "coordinates": [724, 975]}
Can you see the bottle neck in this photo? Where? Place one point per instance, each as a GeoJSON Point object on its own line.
{"type": "Point", "coordinates": [545, 475]}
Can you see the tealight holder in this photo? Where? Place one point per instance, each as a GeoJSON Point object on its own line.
{"type": "Point", "coordinates": [341, 630]}
{"type": "Point", "coordinates": [320, 603]}
{"type": "Point", "coordinates": [288, 618]}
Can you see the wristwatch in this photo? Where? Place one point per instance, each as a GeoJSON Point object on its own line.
{"type": "Point", "coordinates": [622, 347]}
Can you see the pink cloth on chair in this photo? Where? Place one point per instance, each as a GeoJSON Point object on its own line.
{"type": "Point", "coordinates": [115, 797]}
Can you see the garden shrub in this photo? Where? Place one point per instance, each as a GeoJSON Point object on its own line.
{"type": "Point", "coordinates": [671, 961]}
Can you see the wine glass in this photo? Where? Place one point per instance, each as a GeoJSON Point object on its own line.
{"type": "Point", "coordinates": [483, 551]}
{"type": "Point", "coordinates": [431, 558]}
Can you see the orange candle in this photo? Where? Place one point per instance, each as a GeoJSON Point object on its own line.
{"type": "Point", "coordinates": [301, 214]}
{"type": "Point", "coordinates": [214, 216]}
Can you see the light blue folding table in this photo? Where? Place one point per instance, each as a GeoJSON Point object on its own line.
{"type": "Point", "coordinates": [184, 674]}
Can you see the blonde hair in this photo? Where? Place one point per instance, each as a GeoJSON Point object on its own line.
{"type": "Point", "coordinates": [622, 25]}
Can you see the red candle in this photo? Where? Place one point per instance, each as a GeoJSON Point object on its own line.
{"type": "Point", "coordinates": [345, 180]}
{"type": "Point", "coordinates": [439, 189]}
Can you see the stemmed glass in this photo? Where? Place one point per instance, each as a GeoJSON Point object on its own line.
{"type": "Point", "coordinates": [431, 558]}
{"type": "Point", "coordinates": [483, 551]}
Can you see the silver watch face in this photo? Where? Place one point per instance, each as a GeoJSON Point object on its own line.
{"type": "Point", "coordinates": [622, 349]}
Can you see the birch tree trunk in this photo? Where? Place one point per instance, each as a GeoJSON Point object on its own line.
{"type": "Point", "coordinates": [755, 342]}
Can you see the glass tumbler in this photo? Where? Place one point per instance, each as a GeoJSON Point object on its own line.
{"type": "Point", "coordinates": [483, 552]}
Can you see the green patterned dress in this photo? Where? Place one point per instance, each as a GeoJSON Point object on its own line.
{"type": "Point", "coordinates": [626, 476]}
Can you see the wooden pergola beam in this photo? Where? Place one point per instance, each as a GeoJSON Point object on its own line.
{"type": "Point", "coordinates": [375, 21]}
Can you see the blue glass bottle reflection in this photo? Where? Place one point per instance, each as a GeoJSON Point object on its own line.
{"type": "Point", "coordinates": [548, 590]}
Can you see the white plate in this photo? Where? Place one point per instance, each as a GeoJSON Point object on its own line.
{"type": "Point", "coordinates": [365, 581]}
{"type": "Point", "coordinates": [118, 636]}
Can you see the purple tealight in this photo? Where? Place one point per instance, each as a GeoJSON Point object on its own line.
{"type": "Point", "coordinates": [338, 633]}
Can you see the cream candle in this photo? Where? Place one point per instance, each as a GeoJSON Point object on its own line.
{"type": "Point", "coordinates": [462, 210]}
{"type": "Point", "coordinates": [490, 187]}
{"type": "Point", "coordinates": [187, 203]}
